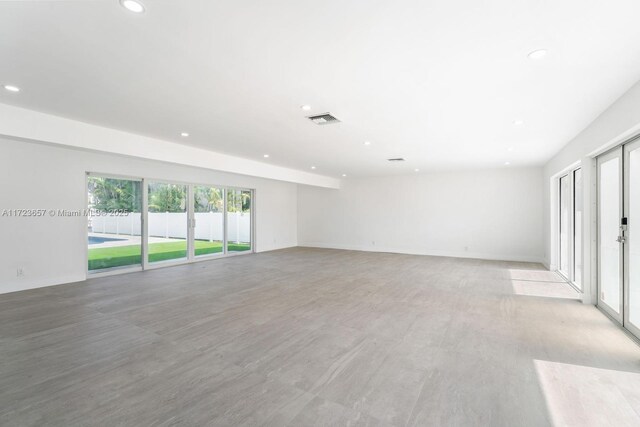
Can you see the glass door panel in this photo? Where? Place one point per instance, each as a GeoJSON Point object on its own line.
{"type": "Point", "coordinates": [208, 210]}
{"type": "Point", "coordinates": [238, 220]}
{"type": "Point", "coordinates": [167, 221]}
{"type": "Point", "coordinates": [577, 228]}
{"type": "Point", "coordinates": [565, 224]}
{"type": "Point", "coordinates": [609, 248]}
{"type": "Point", "coordinates": [632, 234]}
{"type": "Point", "coordinates": [115, 224]}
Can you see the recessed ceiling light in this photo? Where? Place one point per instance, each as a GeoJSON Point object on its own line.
{"type": "Point", "coordinates": [306, 107]}
{"type": "Point", "coordinates": [537, 54]}
{"type": "Point", "coordinates": [344, 175]}
{"type": "Point", "coordinates": [266, 156]}
{"type": "Point", "coordinates": [507, 163]}
{"type": "Point", "coordinates": [367, 143]}
{"type": "Point", "coordinates": [132, 6]}
{"type": "Point", "coordinates": [416, 170]}
{"type": "Point", "coordinates": [510, 149]}
{"type": "Point", "coordinates": [518, 122]}
{"type": "Point", "coordinates": [12, 88]}
{"type": "Point", "coordinates": [184, 134]}
{"type": "Point", "coordinates": [313, 167]}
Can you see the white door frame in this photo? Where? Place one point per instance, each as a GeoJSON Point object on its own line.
{"type": "Point", "coordinates": [569, 177]}
{"type": "Point", "coordinates": [611, 154]}
{"type": "Point", "coordinates": [569, 275]}
{"type": "Point", "coordinates": [630, 146]}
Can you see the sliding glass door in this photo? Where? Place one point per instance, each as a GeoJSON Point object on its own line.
{"type": "Point", "coordinates": [114, 223]}
{"type": "Point", "coordinates": [139, 223]}
{"type": "Point", "coordinates": [208, 208]}
{"type": "Point", "coordinates": [167, 222]}
{"type": "Point", "coordinates": [238, 220]}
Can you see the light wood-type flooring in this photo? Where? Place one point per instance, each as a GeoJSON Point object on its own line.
{"type": "Point", "coordinates": [302, 337]}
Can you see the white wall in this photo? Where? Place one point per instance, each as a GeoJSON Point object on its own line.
{"type": "Point", "coordinates": [51, 250]}
{"type": "Point", "coordinates": [35, 126]}
{"type": "Point", "coordinates": [492, 214]}
{"type": "Point", "coordinates": [616, 124]}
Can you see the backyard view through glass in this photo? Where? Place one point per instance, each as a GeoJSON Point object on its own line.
{"type": "Point", "coordinates": [175, 214]}
{"type": "Point", "coordinates": [208, 208]}
{"type": "Point", "coordinates": [114, 222]}
{"type": "Point", "coordinates": [167, 206]}
{"type": "Point", "coordinates": [238, 220]}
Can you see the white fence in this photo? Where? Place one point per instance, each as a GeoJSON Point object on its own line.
{"type": "Point", "coordinates": [209, 225]}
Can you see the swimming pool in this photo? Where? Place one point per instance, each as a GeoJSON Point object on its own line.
{"type": "Point", "coordinates": [93, 240]}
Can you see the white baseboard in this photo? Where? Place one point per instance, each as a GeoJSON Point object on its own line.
{"type": "Point", "coordinates": [276, 247]}
{"type": "Point", "coordinates": [23, 285]}
{"type": "Point", "coordinates": [413, 251]}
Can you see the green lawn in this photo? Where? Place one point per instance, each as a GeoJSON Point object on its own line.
{"type": "Point", "coordinates": [119, 256]}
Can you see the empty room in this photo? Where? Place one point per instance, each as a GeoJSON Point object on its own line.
{"type": "Point", "coordinates": [292, 213]}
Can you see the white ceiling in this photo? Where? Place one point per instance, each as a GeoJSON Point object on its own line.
{"type": "Point", "coordinates": [436, 82]}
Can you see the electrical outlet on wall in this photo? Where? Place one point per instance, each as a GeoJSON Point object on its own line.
{"type": "Point", "coordinates": [19, 272]}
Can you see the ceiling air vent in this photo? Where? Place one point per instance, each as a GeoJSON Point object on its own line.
{"type": "Point", "coordinates": [397, 159]}
{"type": "Point", "coordinates": [323, 119]}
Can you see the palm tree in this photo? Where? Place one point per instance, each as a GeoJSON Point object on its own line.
{"type": "Point", "coordinates": [115, 194]}
{"type": "Point", "coordinates": [208, 199]}
{"type": "Point", "coordinates": [238, 201]}
{"type": "Point", "coordinates": [167, 198]}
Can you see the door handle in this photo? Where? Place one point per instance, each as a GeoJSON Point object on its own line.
{"type": "Point", "coordinates": [621, 239]}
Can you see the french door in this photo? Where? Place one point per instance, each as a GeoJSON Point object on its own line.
{"type": "Point", "coordinates": [618, 246]}
{"type": "Point", "coordinates": [609, 242]}
{"type": "Point", "coordinates": [632, 237]}
{"type": "Point", "coordinates": [565, 225]}
{"type": "Point", "coordinates": [570, 227]}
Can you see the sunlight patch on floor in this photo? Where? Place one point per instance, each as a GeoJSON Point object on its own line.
{"type": "Point", "coordinates": [540, 283]}
{"type": "Point", "coordinates": [544, 289]}
{"type": "Point", "coordinates": [585, 396]}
